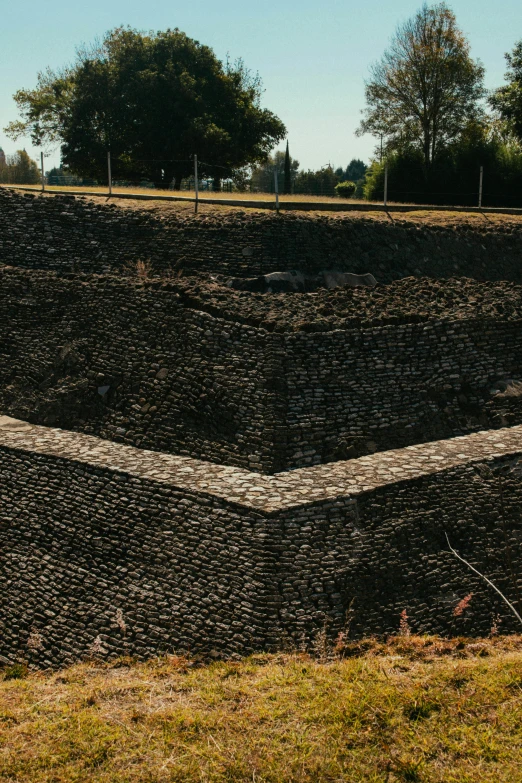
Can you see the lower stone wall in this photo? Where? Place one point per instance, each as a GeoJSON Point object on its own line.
{"type": "Point", "coordinates": [108, 550]}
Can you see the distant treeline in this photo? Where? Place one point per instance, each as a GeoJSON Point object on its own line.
{"type": "Point", "coordinates": [327, 181]}
{"type": "Point", "coordinates": [19, 169]}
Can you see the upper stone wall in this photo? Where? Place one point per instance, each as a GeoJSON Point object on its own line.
{"type": "Point", "coordinates": [133, 364]}
{"type": "Point", "coordinates": [67, 233]}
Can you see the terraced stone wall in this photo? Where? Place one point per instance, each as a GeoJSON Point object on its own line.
{"type": "Point", "coordinates": [139, 365]}
{"type": "Point", "coordinates": [353, 392]}
{"type": "Point", "coordinates": [66, 233]}
{"type": "Point", "coordinates": [132, 364]}
{"type": "Point", "coordinates": [108, 550]}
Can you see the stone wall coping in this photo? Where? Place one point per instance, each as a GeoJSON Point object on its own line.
{"type": "Point", "coordinates": [292, 489]}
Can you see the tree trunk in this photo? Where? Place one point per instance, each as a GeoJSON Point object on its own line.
{"type": "Point", "coordinates": [166, 178]}
{"type": "Point", "coordinates": [216, 185]}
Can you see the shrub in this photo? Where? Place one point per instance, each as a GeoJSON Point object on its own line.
{"type": "Point", "coordinates": [345, 189]}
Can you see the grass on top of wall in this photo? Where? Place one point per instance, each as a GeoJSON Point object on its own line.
{"type": "Point", "coordinates": [414, 709]}
{"type": "Point", "coordinates": [203, 194]}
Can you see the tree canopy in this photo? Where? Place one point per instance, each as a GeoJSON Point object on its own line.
{"type": "Point", "coordinates": [355, 170]}
{"type": "Point", "coordinates": [426, 87]}
{"type": "Point", "coordinates": [154, 100]}
{"type": "Point", "coordinates": [316, 183]}
{"type": "Point", "coordinates": [507, 100]}
{"type": "Point", "coordinates": [455, 177]}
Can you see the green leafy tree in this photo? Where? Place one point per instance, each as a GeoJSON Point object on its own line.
{"type": "Point", "coordinates": [316, 183]}
{"type": "Point", "coordinates": [507, 100]}
{"type": "Point", "coordinates": [426, 87]}
{"type": "Point", "coordinates": [153, 100]}
{"type": "Point", "coordinates": [355, 170]}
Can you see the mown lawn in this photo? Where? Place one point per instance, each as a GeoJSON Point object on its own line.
{"type": "Point", "coordinates": [415, 709]}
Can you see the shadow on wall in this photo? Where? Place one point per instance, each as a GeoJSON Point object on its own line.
{"type": "Point", "coordinates": [84, 235]}
{"type": "Point", "coordinates": [99, 562]}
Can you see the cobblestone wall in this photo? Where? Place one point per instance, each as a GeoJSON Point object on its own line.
{"type": "Point", "coordinates": [132, 364]}
{"type": "Point", "coordinates": [138, 365]}
{"type": "Point", "coordinates": [108, 550]}
{"type": "Point", "coordinates": [66, 233]}
{"type": "Point", "coordinates": [357, 391]}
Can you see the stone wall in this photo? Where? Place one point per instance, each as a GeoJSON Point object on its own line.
{"type": "Point", "coordinates": [108, 550]}
{"type": "Point", "coordinates": [133, 364]}
{"type": "Point", "coordinates": [67, 233]}
{"type": "Point", "coordinates": [361, 390]}
{"type": "Point", "coordinates": [139, 365]}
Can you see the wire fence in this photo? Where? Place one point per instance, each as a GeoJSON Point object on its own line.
{"type": "Point", "coordinates": [198, 178]}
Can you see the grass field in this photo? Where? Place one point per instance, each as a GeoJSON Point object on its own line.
{"type": "Point", "coordinates": [415, 709]}
{"type": "Point", "coordinates": [246, 196]}
{"type": "Point", "coordinates": [420, 214]}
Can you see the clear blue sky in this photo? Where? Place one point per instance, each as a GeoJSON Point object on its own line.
{"type": "Point", "coordinates": [313, 56]}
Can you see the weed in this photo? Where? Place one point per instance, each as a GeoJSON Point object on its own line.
{"type": "Point", "coordinates": [495, 622]}
{"type": "Point", "coordinates": [96, 648]}
{"type": "Point", "coordinates": [462, 605]}
{"type": "Point", "coordinates": [18, 671]}
{"type": "Point", "coordinates": [322, 649]}
{"type": "Point", "coordinates": [513, 389]}
{"type": "Point", "coordinates": [35, 640]}
{"type": "Point", "coordinates": [142, 269]}
{"type": "Point", "coordinates": [120, 622]}
{"type": "Point", "coordinates": [404, 626]}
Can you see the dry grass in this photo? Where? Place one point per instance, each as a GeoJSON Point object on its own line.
{"type": "Point", "coordinates": [420, 216]}
{"type": "Point", "coordinates": [246, 196]}
{"type": "Point", "coordinates": [413, 710]}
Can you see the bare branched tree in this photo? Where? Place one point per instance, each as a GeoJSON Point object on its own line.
{"type": "Point", "coordinates": [485, 578]}
{"type": "Point", "coordinates": [426, 88]}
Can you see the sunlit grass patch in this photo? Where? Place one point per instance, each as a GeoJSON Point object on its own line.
{"type": "Point", "coordinates": [416, 709]}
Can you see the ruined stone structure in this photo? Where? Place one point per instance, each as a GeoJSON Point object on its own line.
{"type": "Point", "coordinates": [140, 552]}
{"type": "Point", "coordinates": [184, 467]}
{"type": "Point", "coordinates": [143, 365]}
{"type": "Point", "coordinates": [65, 233]}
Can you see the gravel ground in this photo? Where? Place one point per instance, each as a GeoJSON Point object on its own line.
{"type": "Point", "coordinates": [410, 300]}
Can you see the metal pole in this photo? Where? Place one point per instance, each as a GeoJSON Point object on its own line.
{"type": "Point", "coordinates": [385, 184]}
{"type": "Point", "coordinates": [43, 174]}
{"type": "Point", "coordinates": [109, 173]}
{"type": "Point", "coordinates": [276, 183]}
{"type": "Point", "coordinates": [196, 187]}
{"type": "Point", "coordinates": [480, 186]}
